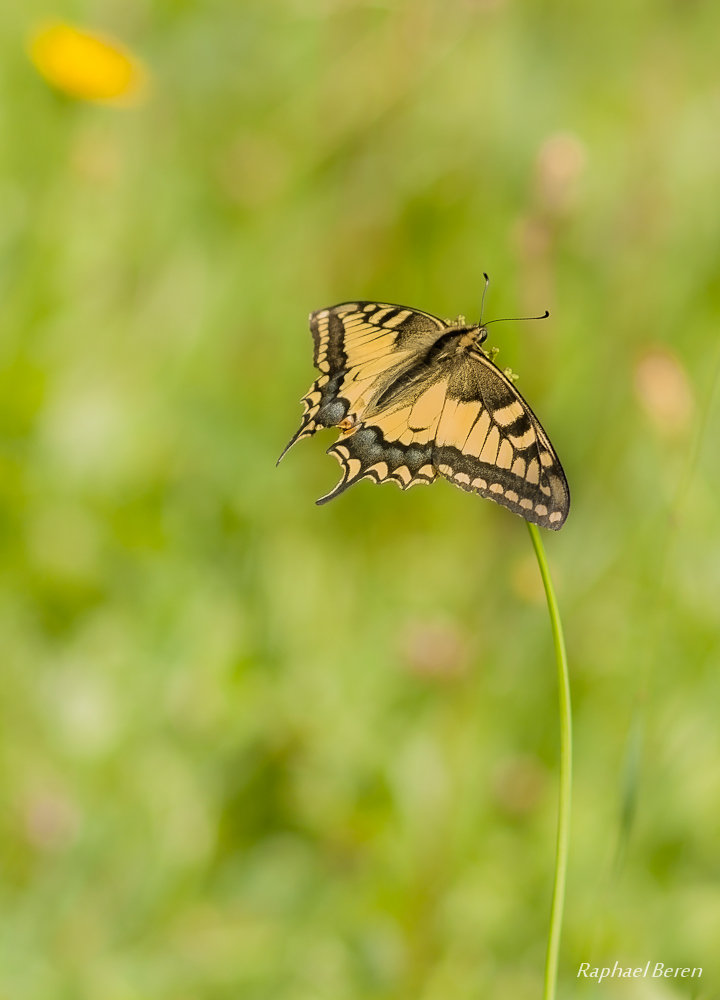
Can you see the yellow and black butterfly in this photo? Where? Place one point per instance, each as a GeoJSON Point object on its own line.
{"type": "Point", "coordinates": [416, 397]}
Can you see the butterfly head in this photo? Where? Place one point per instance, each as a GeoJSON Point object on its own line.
{"type": "Point", "coordinates": [470, 335]}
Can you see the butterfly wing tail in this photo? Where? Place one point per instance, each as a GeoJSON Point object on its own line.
{"type": "Point", "coordinates": [307, 429]}
{"type": "Point", "coordinates": [312, 404]}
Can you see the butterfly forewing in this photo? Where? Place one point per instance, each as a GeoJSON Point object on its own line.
{"type": "Point", "coordinates": [416, 397]}
{"type": "Point", "coordinates": [369, 335]}
{"type": "Point", "coordinates": [360, 348]}
{"type": "Point", "coordinates": [490, 442]}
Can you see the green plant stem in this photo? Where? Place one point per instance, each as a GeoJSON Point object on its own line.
{"type": "Point", "coordinates": [563, 833]}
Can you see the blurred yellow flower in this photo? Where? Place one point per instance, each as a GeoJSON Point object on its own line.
{"type": "Point", "coordinates": [86, 66]}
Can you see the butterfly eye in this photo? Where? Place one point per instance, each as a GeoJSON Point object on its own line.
{"type": "Point", "coordinates": [482, 335]}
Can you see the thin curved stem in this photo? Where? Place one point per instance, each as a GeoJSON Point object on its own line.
{"type": "Point", "coordinates": [563, 833]}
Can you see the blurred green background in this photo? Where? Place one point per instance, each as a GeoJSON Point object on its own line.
{"type": "Point", "coordinates": [253, 748]}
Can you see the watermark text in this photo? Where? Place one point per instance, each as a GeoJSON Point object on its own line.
{"type": "Point", "coordinates": [658, 971]}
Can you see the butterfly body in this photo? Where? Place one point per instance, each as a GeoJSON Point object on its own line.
{"type": "Point", "coordinates": [416, 397]}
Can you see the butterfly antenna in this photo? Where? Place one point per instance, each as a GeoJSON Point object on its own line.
{"type": "Point", "coordinates": [517, 319]}
{"type": "Point", "coordinates": [482, 304]}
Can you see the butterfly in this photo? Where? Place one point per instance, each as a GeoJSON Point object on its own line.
{"type": "Point", "coordinates": [416, 397]}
